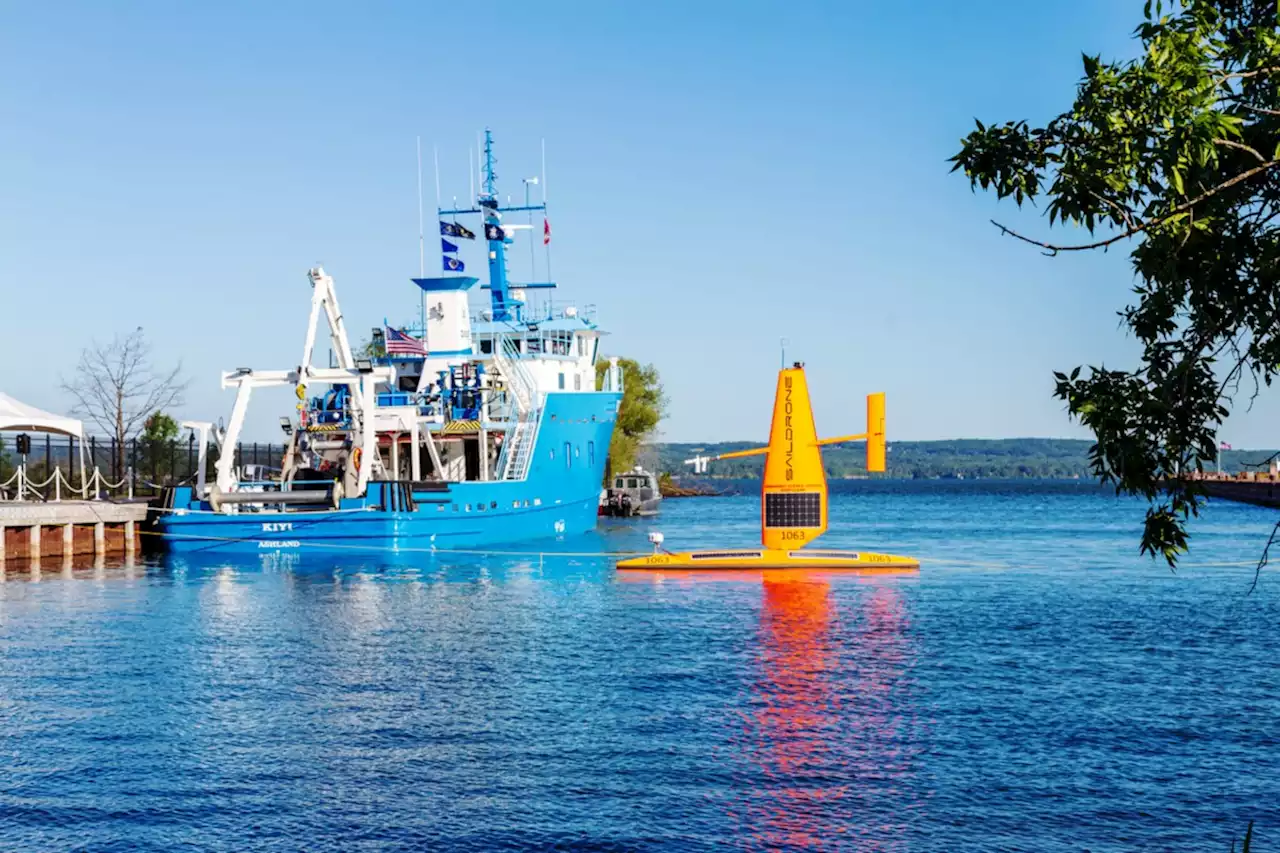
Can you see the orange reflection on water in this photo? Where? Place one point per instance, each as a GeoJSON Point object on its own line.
{"type": "Point", "coordinates": [827, 734]}
{"type": "Point", "coordinates": [827, 738]}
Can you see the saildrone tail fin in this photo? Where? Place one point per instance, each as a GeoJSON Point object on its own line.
{"type": "Point", "coordinates": [875, 432]}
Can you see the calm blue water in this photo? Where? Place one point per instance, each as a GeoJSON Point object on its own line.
{"type": "Point", "coordinates": [1037, 687]}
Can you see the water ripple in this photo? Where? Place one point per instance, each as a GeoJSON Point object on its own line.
{"type": "Point", "coordinates": [1037, 687]}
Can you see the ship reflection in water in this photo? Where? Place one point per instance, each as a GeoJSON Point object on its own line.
{"type": "Point", "coordinates": [829, 736]}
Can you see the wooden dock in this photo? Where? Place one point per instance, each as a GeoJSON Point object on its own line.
{"type": "Point", "coordinates": [32, 531]}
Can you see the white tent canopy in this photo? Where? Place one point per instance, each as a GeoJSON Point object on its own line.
{"type": "Point", "coordinates": [16, 416]}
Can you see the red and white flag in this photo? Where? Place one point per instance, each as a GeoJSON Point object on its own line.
{"type": "Point", "coordinates": [1222, 445]}
{"type": "Point", "coordinates": [546, 231]}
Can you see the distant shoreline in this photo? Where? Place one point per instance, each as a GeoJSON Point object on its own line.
{"type": "Point", "coordinates": [944, 459]}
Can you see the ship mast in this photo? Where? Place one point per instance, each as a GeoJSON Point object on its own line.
{"type": "Point", "coordinates": [505, 308]}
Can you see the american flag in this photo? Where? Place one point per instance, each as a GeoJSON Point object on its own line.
{"type": "Point", "coordinates": [399, 343]}
{"type": "Point", "coordinates": [1222, 445]}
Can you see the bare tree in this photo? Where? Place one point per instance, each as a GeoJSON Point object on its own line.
{"type": "Point", "coordinates": [117, 388]}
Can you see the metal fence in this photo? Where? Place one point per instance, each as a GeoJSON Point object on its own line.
{"type": "Point", "coordinates": [145, 467]}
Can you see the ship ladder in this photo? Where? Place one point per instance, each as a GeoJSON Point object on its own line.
{"type": "Point", "coordinates": [518, 451]}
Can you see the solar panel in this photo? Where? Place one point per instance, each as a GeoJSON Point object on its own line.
{"type": "Point", "coordinates": [793, 509]}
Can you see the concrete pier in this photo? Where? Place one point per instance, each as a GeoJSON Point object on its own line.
{"type": "Point", "coordinates": [30, 531]}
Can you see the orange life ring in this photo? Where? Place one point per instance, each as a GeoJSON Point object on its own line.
{"type": "Point", "coordinates": [355, 458]}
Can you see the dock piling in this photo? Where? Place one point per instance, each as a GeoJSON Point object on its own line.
{"type": "Point", "coordinates": [31, 530]}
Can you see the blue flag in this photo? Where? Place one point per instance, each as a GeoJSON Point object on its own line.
{"type": "Point", "coordinates": [446, 246]}
{"type": "Point", "coordinates": [448, 229]}
{"type": "Point", "coordinates": [453, 264]}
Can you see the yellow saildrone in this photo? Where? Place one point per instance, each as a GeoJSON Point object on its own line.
{"type": "Point", "coordinates": [793, 497]}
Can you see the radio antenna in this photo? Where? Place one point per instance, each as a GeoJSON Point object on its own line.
{"type": "Point", "coordinates": [436, 155]}
{"type": "Point", "coordinates": [422, 246]}
{"type": "Point", "coordinates": [546, 244]}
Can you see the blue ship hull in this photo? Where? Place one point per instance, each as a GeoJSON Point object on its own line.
{"type": "Point", "coordinates": [559, 497]}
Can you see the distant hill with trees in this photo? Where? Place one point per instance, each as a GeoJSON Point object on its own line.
{"type": "Point", "coordinates": [968, 458]}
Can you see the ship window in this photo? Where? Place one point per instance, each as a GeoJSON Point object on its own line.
{"type": "Point", "coordinates": [515, 504]}
{"type": "Point", "coordinates": [577, 451]}
{"type": "Point", "coordinates": [439, 507]}
{"type": "Point", "coordinates": [561, 381]}
{"type": "Point", "coordinates": [591, 453]}
{"type": "Point", "coordinates": [568, 456]}
{"type": "Point", "coordinates": [533, 345]}
{"type": "Point", "coordinates": [552, 453]}
{"type": "Point", "coordinates": [479, 507]}
{"type": "Point", "coordinates": [486, 346]}
{"type": "Point", "coordinates": [582, 345]}
{"type": "Point", "coordinates": [577, 381]}
{"type": "Point", "coordinates": [537, 501]}
{"type": "Point", "coordinates": [455, 507]}
{"type": "Point", "coordinates": [526, 504]}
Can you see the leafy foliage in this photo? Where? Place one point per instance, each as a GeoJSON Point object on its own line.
{"type": "Point", "coordinates": [643, 405]}
{"type": "Point", "coordinates": [156, 449]}
{"type": "Point", "coordinates": [1178, 149]}
{"type": "Point", "coordinates": [160, 427]}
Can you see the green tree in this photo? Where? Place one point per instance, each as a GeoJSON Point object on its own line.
{"type": "Point", "coordinates": [643, 405]}
{"type": "Point", "coordinates": [155, 456]}
{"type": "Point", "coordinates": [1177, 151]}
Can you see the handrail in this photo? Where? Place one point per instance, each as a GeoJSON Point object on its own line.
{"type": "Point", "coordinates": [507, 357]}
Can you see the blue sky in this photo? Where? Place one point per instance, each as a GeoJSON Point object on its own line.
{"type": "Point", "coordinates": [720, 175]}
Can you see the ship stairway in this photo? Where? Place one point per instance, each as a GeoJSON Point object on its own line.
{"type": "Point", "coordinates": [517, 450]}
{"type": "Point", "coordinates": [519, 381]}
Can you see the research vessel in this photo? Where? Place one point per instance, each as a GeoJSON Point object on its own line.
{"type": "Point", "coordinates": [480, 426]}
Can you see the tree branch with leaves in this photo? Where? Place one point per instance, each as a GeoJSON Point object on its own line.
{"type": "Point", "coordinates": [1177, 150]}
